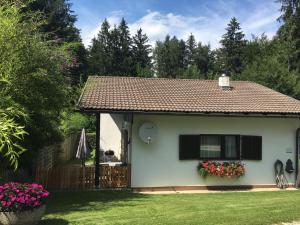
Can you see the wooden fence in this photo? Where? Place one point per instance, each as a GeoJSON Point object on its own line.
{"type": "Point", "coordinates": [20, 175]}
{"type": "Point", "coordinates": [77, 177]}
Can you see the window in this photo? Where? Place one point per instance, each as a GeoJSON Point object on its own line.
{"type": "Point", "coordinates": [220, 147]}
{"type": "Point", "coordinates": [210, 146]}
{"type": "Point", "coordinates": [231, 147]}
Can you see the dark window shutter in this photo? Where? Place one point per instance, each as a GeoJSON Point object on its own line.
{"type": "Point", "coordinates": [189, 147]}
{"type": "Point", "coordinates": [251, 147]}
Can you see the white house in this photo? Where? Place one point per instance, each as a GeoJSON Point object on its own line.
{"type": "Point", "coordinates": [163, 128]}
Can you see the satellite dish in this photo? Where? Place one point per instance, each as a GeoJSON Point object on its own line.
{"type": "Point", "coordinates": [147, 132]}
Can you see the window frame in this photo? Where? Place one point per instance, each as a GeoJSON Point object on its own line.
{"type": "Point", "coordinates": [222, 136]}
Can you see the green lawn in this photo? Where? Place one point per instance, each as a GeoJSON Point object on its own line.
{"type": "Point", "coordinates": [108, 207]}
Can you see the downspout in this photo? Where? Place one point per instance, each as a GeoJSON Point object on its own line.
{"type": "Point", "coordinates": [130, 138]}
{"type": "Point", "coordinates": [297, 157]}
{"type": "Point", "coordinates": [130, 151]}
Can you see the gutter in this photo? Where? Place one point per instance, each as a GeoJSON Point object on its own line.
{"type": "Point", "coordinates": [222, 114]}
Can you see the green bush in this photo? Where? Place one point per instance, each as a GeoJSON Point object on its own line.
{"type": "Point", "coordinates": [74, 122]}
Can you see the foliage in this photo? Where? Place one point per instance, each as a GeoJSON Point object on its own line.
{"type": "Point", "coordinates": [76, 72]}
{"type": "Point", "coordinates": [59, 28]}
{"type": "Point", "coordinates": [191, 72]}
{"type": "Point", "coordinates": [60, 20]}
{"type": "Point", "coordinates": [182, 59]}
{"type": "Point", "coordinates": [232, 47]}
{"type": "Point", "coordinates": [11, 132]}
{"type": "Point", "coordinates": [289, 32]}
{"type": "Point", "coordinates": [203, 60]}
{"type": "Point", "coordinates": [75, 122]}
{"type": "Point", "coordinates": [100, 54]}
{"type": "Point", "coordinates": [169, 57]}
{"type": "Point", "coordinates": [270, 68]}
{"type": "Point", "coordinates": [33, 70]}
{"type": "Point", "coordinates": [16, 197]}
{"type": "Point", "coordinates": [221, 169]}
{"type": "Point", "coordinates": [123, 53]}
{"type": "Point", "coordinates": [191, 46]}
{"type": "Point", "coordinates": [141, 55]}
{"type": "Point", "coordinates": [115, 52]}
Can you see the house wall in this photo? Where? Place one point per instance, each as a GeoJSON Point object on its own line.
{"type": "Point", "coordinates": [110, 133]}
{"type": "Point", "coordinates": [158, 164]}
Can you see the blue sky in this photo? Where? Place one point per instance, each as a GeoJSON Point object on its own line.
{"type": "Point", "coordinates": [206, 19]}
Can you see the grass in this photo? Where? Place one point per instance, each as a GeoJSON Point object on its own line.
{"type": "Point", "coordinates": [108, 207]}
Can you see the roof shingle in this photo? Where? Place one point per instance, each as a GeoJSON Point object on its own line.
{"type": "Point", "coordinates": [182, 95]}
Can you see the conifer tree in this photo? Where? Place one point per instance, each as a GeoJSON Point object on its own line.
{"type": "Point", "coordinates": [124, 58]}
{"type": "Point", "coordinates": [191, 46]}
{"type": "Point", "coordinates": [232, 48]}
{"type": "Point", "coordinates": [141, 54]}
{"type": "Point", "coordinates": [99, 60]}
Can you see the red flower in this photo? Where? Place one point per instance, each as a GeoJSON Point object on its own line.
{"type": "Point", "coordinates": [221, 169]}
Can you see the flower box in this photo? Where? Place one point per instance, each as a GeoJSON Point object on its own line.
{"type": "Point", "coordinates": [22, 204]}
{"type": "Point", "coordinates": [28, 217]}
{"type": "Point", "coordinates": [221, 169]}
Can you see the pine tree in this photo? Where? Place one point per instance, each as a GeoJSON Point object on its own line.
{"type": "Point", "coordinates": [191, 46]}
{"type": "Point", "coordinates": [169, 57]}
{"type": "Point", "coordinates": [182, 56]}
{"type": "Point", "coordinates": [232, 48]}
{"type": "Point", "coordinates": [99, 60]}
{"type": "Point", "coordinates": [111, 52]}
{"type": "Point", "coordinates": [203, 59]}
{"type": "Point", "coordinates": [125, 54]}
{"type": "Point", "coordinates": [141, 54]}
{"type": "Point", "coordinates": [60, 20]}
{"type": "Point", "coordinates": [114, 49]}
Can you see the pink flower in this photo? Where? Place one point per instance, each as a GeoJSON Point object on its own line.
{"type": "Point", "coordinates": [17, 196]}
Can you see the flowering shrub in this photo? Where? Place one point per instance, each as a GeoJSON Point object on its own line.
{"type": "Point", "coordinates": [221, 169]}
{"type": "Point", "coordinates": [20, 197]}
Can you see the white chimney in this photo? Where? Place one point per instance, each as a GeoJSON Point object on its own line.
{"type": "Point", "coordinates": [224, 81]}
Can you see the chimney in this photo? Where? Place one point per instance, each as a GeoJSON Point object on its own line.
{"type": "Point", "coordinates": [224, 81]}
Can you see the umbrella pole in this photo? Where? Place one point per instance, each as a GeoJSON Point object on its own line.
{"type": "Point", "coordinates": [83, 173]}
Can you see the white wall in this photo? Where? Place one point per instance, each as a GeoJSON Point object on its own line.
{"type": "Point", "coordinates": [110, 132]}
{"type": "Point", "coordinates": [158, 164]}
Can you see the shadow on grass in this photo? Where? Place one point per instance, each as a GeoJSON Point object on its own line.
{"type": "Point", "coordinates": [74, 201]}
{"type": "Point", "coordinates": [54, 222]}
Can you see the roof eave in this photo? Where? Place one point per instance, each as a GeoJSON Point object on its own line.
{"type": "Point", "coordinates": [239, 114]}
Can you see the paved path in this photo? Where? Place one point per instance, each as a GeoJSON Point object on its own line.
{"type": "Point", "coordinates": [216, 191]}
{"type": "Point", "coordinates": [292, 223]}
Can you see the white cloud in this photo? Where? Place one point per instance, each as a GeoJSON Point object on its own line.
{"type": "Point", "coordinates": [115, 17]}
{"type": "Point", "coordinates": [207, 29]}
{"type": "Point", "coordinates": [262, 20]}
{"type": "Point", "coordinates": [88, 33]}
{"type": "Point", "coordinates": [157, 25]}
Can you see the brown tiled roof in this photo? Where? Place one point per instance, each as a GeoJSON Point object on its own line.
{"type": "Point", "coordinates": [182, 95]}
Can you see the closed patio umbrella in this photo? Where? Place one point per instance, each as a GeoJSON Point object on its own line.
{"type": "Point", "coordinates": [82, 153]}
{"type": "Point", "coordinates": [82, 150]}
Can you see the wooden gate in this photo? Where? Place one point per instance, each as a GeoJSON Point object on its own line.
{"type": "Point", "coordinates": [77, 177]}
